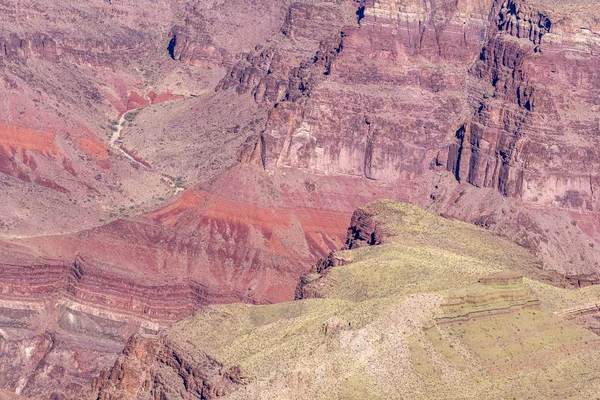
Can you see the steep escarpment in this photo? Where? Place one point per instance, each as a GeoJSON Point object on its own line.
{"type": "Point", "coordinates": [437, 99]}
{"type": "Point", "coordinates": [530, 130]}
{"type": "Point", "coordinates": [506, 99]}
{"type": "Point", "coordinates": [348, 119]}
{"type": "Point", "coordinates": [519, 97]}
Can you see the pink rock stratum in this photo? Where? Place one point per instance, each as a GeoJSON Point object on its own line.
{"type": "Point", "coordinates": [159, 156]}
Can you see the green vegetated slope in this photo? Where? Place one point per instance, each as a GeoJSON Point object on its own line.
{"type": "Point", "coordinates": [377, 333]}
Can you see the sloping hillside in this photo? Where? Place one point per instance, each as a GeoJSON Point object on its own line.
{"type": "Point", "coordinates": [405, 318]}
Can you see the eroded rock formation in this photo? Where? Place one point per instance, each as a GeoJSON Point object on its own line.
{"type": "Point", "coordinates": [151, 368]}
{"type": "Point", "coordinates": [481, 110]}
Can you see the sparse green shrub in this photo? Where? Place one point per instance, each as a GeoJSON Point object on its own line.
{"type": "Point", "coordinates": [178, 182]}
{"type": "Point", "coordinates": [130, 117]}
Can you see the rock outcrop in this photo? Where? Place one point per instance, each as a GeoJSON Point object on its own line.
{"type": "Point", "coordinates": [151, 368]}
{"type": "Point", "coordinates": [363, 231]}
{"type": "Point", "coordinates": [496, 294]}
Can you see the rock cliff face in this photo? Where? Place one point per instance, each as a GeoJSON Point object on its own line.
{"type": "Point", "coordinates": [484, 90]}
{"type": "Point", "coordinates": [481, 110]}
{"type": "Point", "coordinates": [361, 107]}
{"type": "Point", "coordinates": [525, 113]}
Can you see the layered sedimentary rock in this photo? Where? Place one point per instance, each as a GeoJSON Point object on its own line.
{"type": "Point", "coordinates": [54, 347]}
{"type": "Point", "coordinates": [483, 111]}
{"type": "Point", "coordinates": [587, 315]}
{"type": "Point", "coordinates": [496, 294]}
{"type": "Point", "coordinates": [531, 135]}
{"type": "Point", "coordinates": [476, 88]}
{"type": "Point", "coordinates": [67, 89]}
{"type": "Point", "coordinates": [363, 231]}
{"type": "Point", "coordinates": [524, 112]}
{"type": "Point", "coordinates": [61, 324]}
{"type": "Point", "coordinates": [200, 249]}
{"type": "Point", "coordinates": [86, 284]}
{"type": "Point", "coordinates": [417, 106]}
{"type": "Point", "coordinates": [351, 118]}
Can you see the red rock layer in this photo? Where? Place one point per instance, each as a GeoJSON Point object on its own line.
{"type": "Point", "coordinates": [85, 284]}
{"type": "Point", "coordinates": [202, 248]}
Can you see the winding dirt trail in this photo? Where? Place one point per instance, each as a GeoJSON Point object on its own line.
{"type": "Point", "coordinates": [116, 136]}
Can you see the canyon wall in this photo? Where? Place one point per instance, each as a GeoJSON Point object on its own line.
{"type": "Point", "coordinates": [484, 111]}
{"type": "Point", "coordinates": [436, 98]}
